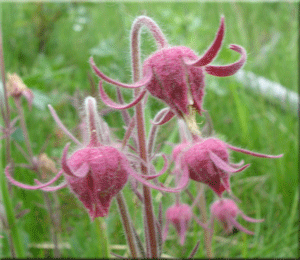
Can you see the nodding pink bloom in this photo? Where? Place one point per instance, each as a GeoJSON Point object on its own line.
{"type": "Point", "coordinates": [96, 175]}
{"type": "Point", "coordinates": [96, 172]}
{"type": "Point", "coordinates": [176, 75]}
{"type": "Point", "coordinates": [179, 215]}
{"type": "Point", "coordinates": [208, 162]}
{"type": "Point", "coordinates": [226, 211]}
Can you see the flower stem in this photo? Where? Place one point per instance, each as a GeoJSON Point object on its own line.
{"type": "Point", "coordinates": [23, 126]}
{"type": "Point", "coordinates": [127, 224]}
{"type": "Point", "coordinates": [100, 227]}
{"type": "Point", "coordinates": [202, 206]}
{"type": "Point", "coordinates": [136, 71]}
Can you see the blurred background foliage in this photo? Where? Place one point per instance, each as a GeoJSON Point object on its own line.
{"type": "Point", "coordinates": [49, 44]}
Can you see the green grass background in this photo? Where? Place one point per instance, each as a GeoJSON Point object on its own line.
{"type": "Point", "coordinates": [49, 44]}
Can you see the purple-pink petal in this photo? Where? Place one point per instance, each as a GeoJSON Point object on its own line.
{"type": "Point", "coordinates": [30, 187]}
{"type": "Point", "coordinates": [239, 226]}
{"type": "Point", "coordinates": [107, 101]}
{"type": "Point", "coordinates": [64, 162]}
{"type": "Point", "coordinates": [163, 170]}
{"type": "Point", "coordinates": [145, 80]}
{"type": "Point", "coordinates": [61, 125]}
{"type": "Point", "coordinates": [27, 93]}
{"type": "Point", "coordinates": [182, 184]}
{"type": "Point", "coordinates": [82, 171]}
{"type": "Point", "coordinates": [166, 118]}
{"type": "Point", "coordinates": [52, 188]}
{"type": "Point", "coordinates": [213, 50]}
{"type": "Point", "coordinates": [221, 164]}
{"type": "Point", "coordinates": [237, 165]}
{"type": "Point", "coordinates": [228, 70]}
{"type": "Point", "coordinates": [253, 220]}
{"type": "Point", "coordinates": [252, 153]}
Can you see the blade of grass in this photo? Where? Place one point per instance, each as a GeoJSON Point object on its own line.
{"type": "Point", "coordinates": [241, 112]}
{"type": "Point", "coordinates": [10, 215]}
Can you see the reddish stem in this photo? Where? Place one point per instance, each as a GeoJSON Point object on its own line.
{"type": "Point", "coordinates": [139, 113]}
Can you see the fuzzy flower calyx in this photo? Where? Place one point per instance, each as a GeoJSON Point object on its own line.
{"type": "Point", "coordinates": [226, 211]}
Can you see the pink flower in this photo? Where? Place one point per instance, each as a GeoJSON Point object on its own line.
{"type": "Point", "coordinates": [96, 175]}
{"type": "Point", "coordinates": [226, 211]}
{"type": "Point", "coordinates": [208, 162]}
{"type": "Point", "coordinates": [179, 215]}
{"type": "Point", "coordinates": [176, 75]}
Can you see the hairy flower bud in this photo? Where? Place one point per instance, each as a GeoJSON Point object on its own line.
{"type": "Point", "coordinates": [173, 81]}
{"type": "Point", "coordinates": [97, 175]}
{"type": "Point", "coordinates": [176, 76]}
{"type": "Point", "coordinates": [208, 162]}
{"type": "Point", "coordinates": [179, 215]}
{"type": "Point", "coordinates": [226, 211]}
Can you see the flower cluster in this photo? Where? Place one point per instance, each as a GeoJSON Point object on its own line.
{"type": "Point", "coordinates": [99, 169]}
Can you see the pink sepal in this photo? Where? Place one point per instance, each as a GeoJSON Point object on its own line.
{"type": "Point", "coordinates": [81, 172]}
{"type": "Point", "coordinates": [228, 70]}
{"type": "Point", "coordinates": [213, 50]}
{"type": "Point", "coordinates": [52, 188]}
{"type": "Point", "coordinates": [144, 81]}
{"type": "Point", "coordinates": [107, 101]}
{"type": "Point", "coordinates": [221, 164]}
{"type": "Point", "coordinates": [30, 187]}
{"type": "Point", "coordinates": [166, 118]}
{"type": "Point", "coordinates": [239, 226]}
{"type": "Point", "coordinates": [252, 153]}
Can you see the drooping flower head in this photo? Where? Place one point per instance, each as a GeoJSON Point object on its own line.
{"type": "Point", "coordinates": [226, 211]}
{"type": "Point", "coordinates": [176, 75]}
{"type": "Point", "coordinates": [208, 162]}
{"type": "Point", "coordinates": [179, 215]}
{"type": "Point", "coordinates": [97, 171]}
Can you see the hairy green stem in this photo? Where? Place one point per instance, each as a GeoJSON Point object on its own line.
{"type": "Point", "coordinates": [23, 126]}
{"type": "Point", "coordinates": [100, 227]}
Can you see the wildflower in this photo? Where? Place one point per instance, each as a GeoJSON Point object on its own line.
{"type": "Point", "coordinates": [96, 172]}
{"type": "Point", "coordinates": [16, 88]}
{"type": "Point", "coordinates": [208, 162]}
{"type": "Point", "coordinates": [180, 216]}
{"type": "Point", "coordinates": [226, 211]}
{"type": "Point", "coordinates": [176, 76]}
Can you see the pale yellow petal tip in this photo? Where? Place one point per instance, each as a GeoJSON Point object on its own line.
{"type": "Point", "coordinates": [191, 122]}
{"type": "Point", "coordinates": [15, 84]}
